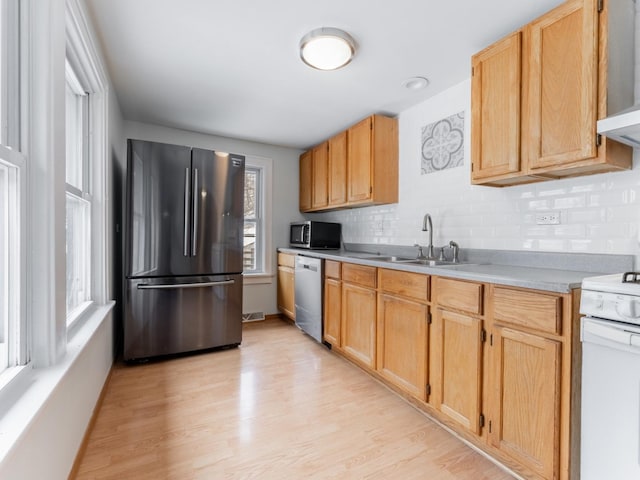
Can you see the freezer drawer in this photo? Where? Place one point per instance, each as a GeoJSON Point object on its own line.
{"type": "Point", "coordinates": [181, 314]}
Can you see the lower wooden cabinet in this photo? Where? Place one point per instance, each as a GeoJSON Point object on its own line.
{"type": "Point", "coordinates": [332, 304]}
{"type": "Point", "coordinates": [403, 330]}
{"type": "Point", "coordinates": [358, 334]}
{"type": "Point", "coordinates": [456, 376]}
{"type": "Point", "coordinates": [531, 383]}
{"type": "Point", "coordinates": [525, 399]}
{"type": "Point", "coordinates": [286, 286]}
{"type": "Point", "coordinates": [402, 343]}
{"type": "Point", "coordinates": [359, 324]}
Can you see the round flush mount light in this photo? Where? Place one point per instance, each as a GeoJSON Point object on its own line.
{"type": "Point", "coordinates": [327, 48]}
{"type": "Point", "coordinates": [415, 83]}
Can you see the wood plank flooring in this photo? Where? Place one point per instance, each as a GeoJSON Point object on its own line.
{"type": "Point", "coordinates": [278, 407]}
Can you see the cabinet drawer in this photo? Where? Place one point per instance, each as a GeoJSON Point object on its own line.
{"type": "Point", "coordinates": [465, 296]}
{"type": "Point", "coordinates": [332, 269]}
{"type": "Point", "coordinates": [359, 274]}
{"type": "Point", "coordinates": [534, 310]}
{"type": "Point", "coordinates": [286, 259]}
{"type": "Point", "coordinates": [412, 285]}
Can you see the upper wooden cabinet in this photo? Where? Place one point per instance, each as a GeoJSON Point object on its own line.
{"type": "Point", "coordinates": [372, 161]}
{"type": "Point", "coordinates": [357, 167]}
{"type": "Point", "coordinates": [338, 170]}
{"type": "Point", "coordinates": [305, 181]}
{"type": "Point", "coordinates": [536, 97]}
{"type": "Point", "coordinates": [319, 176]}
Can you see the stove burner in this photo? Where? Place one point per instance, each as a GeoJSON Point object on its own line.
{"type": "Point", "coordinates": [631, 277]}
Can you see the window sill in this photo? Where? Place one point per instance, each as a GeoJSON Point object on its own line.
{"type": "Point", "coordinates": [26, 393]}
{"type": "Point", "coordinates": [257, 278]}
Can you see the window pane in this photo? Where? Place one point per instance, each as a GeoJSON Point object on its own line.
{"type": "Point", "coordinates": [4, 265]}
{"type": "Point", "coordinates": [78, 251]}
{"type": "Point", "coordinates": [250, 190]}
{"type": "Point", "coordinates": [249, 252]}
{"type": "Point", "coordinates": [74, 124]}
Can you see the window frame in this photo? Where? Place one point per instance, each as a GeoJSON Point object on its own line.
{"type": "Point", "coordinates": [13, 60]}
{"type": "Point", "coordinates": [264, 243]}
{"type": "Point", "coordinates": [80, 193]}
{"type": "Point", "coordinates": [84, 61]}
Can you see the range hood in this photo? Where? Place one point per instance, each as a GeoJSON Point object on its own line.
{"type": "Point", "coordinates": [623, 127]}
{"type": "Point", "coordinates": [622, 122]}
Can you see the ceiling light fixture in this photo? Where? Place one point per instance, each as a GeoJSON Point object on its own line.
{"type": "Point", "coordinates": [415, 83]}
{"type": "Point", "coordinates": [327, 48]}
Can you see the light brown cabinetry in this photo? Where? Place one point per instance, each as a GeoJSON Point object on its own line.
{"type": "Point", "coordinates": [536, 96]}
{"type": "Point", "coordinates": [357, 167]}
{"type": "Point", "coordinates": [402, 330]}
{"type": "Point", "coordinates": [320, 176]}
{"type": "Point", "coordinates": [372, 161]}
{"type": "Point", "coordinates": [286, 286]}
{"type": "Point", "coordinates": [530, 379]}
{"type": "Point", "coordinates": [332, 303]}
{"type": "Point", "coordinates": [338, 170]}
{"type": "Point", "coordinates": [305, 181]}
{"type": "Point", "coordinates": [456, 360]}
{"type": "Point", "coordinates": [358, 333]}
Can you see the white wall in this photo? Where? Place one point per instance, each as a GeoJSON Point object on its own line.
{"type": "Point", "coordinates": [257, 297]}
{"type": "Point", "coordinates": [599, 213]}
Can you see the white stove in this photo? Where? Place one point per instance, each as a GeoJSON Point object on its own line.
{"type": "Point", "coordinates": [612, 297]}
{"type": "Point", "coordinates": [610, 334]}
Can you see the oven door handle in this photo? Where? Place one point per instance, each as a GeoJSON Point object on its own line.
{"type": "Point", "coordinates": [595, 332]}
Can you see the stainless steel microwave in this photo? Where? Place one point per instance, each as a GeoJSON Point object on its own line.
{"type": "Point", "coordinates": [309, 234]}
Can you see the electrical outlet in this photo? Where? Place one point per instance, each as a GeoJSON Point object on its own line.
{"type": "Point", "coordinates": [548, 218]}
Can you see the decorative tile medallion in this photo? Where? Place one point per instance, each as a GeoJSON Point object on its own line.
{"type": "Point", "coordinates": [443, 144]}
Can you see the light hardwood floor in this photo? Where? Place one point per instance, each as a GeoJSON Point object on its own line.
{"type": "Point", "coordinates": [278, 407]}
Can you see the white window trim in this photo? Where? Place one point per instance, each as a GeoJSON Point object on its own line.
{"type": "Point", "coordinates": [84, 59]}
{"type": "Point", "coordinates": [266, 166]}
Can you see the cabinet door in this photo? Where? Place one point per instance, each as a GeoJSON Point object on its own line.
{"type": "Point", "coordinates": [562, 92]}
{"type": "Point", "coordinates": [332, 311]}
{"type": "Point", "coordinates": [319, 176]}
{"type": "Point", "coordinates": [286, 292]}
{"type": "Point", "coordinates": [402, 344]}
{"type": "Point", "coordinates": [457, 367]}
{"type": "Point", "coordinates": [359, 174]}
{"type": "Point", "coordinates": [525, 399]}
{"type": "Point", "coordinates": [338, 170]}
{"type": "Point", "coordinates": [359, 324]}
{"type": "Point", "coordinates": [495, 108]}
{"type": "Point", "coordinates": [305, 181]}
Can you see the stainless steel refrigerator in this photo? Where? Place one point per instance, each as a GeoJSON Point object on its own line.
{"type": "Point", "coordinates": [183, 249]}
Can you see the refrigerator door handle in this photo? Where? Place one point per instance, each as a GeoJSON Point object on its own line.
{"type": "Point", "coordinates": [194, 235]}
{"type": "Point", "coordinates": [144, 286]}
{"type": "Point", "coordinates": [187, 199]}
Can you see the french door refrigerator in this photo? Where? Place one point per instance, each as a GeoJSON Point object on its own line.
{"type": "Point", "coordinates": [183, 249]}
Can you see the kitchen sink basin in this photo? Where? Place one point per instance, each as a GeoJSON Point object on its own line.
{"type": "Point", "coordinates": [391, 258]}
{"type": "Point", "coordinates": [415, 261]}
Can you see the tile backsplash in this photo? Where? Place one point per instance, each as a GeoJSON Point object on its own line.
{"type": "Point", "coordinates": [598, 213]}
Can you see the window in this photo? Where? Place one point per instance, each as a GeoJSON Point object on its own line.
{"type": "Point", "coordinates": [252, 252]}
{"type": "Point", "coordinates": [257, 219]}
{"type": "Point", "coordinates": [78, 197]}
{"type": "Point", "coordinates": [11, 188]}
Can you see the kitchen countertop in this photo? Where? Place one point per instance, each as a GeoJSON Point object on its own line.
{"type": "Point", "coordinates": [550, 279]}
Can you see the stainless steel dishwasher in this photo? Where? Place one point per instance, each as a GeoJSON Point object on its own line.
{"type": "Point", "coordinates": [308, 287]}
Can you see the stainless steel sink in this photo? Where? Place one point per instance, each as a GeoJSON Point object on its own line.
{"type": "Point", "coordinates": [415, 261]}
{"type": "Point", "coordinates": [390, 258]}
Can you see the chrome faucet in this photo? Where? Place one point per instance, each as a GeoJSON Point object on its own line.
{"type": "Point", "coordinates": [456, 248]}
{"type": "Point", "coordinates": [428, 226]}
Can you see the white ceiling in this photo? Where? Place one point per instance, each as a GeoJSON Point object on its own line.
{"type": "Point", "coordinates": [232, 67]}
